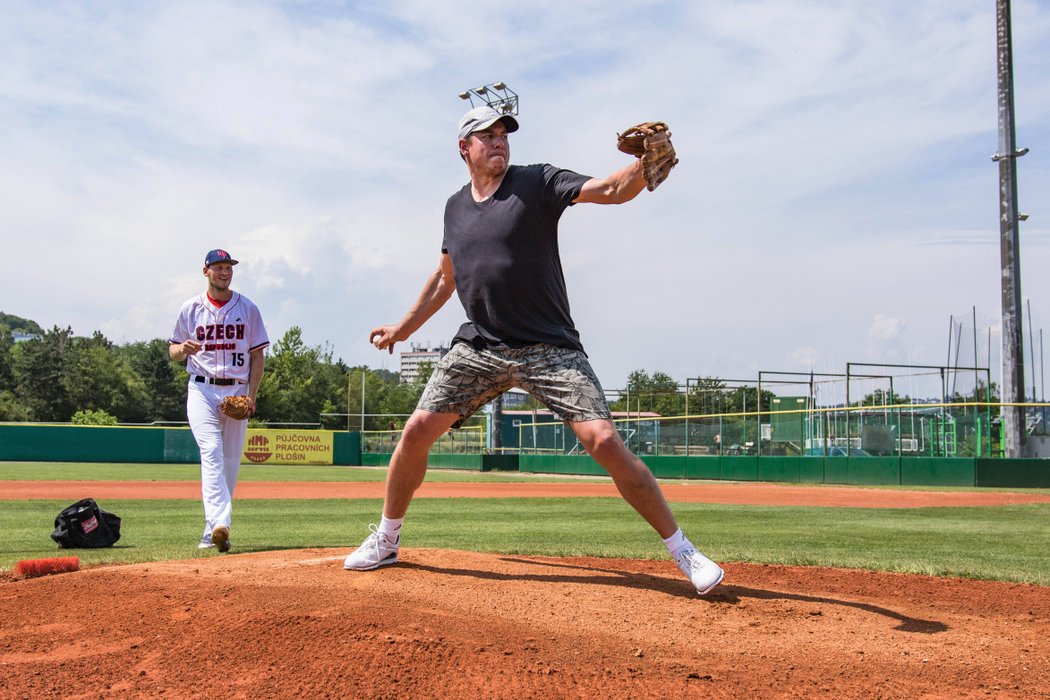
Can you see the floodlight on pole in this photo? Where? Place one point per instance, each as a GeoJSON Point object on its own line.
{"type": "Point", "coordinates": [496, 95]}
{"type": "Point", "coordinates": [1016, 154]}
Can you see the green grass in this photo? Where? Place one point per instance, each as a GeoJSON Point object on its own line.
{"type": "Point", "coordinates": [98, 471]}
{"type": "Point", "coordinates": [92, 471]}
{"type": "Point", "coordinates": [1010, 543]}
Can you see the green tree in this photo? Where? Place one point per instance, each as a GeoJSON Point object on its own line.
{"type": "Point", "coordinates": [7, 372]}
{"type": "Point", "coordinates": [711, 395]}
{"type": "Point", "coordinates": [90, 417]}
{"type": "Point", "coordinates": [384, 394]}
{"type": "Point", "coordinates": [59, 374]}
{"type": "Point", "coordinates": [402, 397]}
{"type": "Point", "coordinates": [658, 393]}
{"type": "Point", "coordinates": [884, 397]}
{"type": "Point", "coordinates": [365, 393]}
{"type": "Point", "coordinates": [300, 382]}
{"type": "Point", "coordinates": [164, 381]}
{"type": "Point", "coordinates": [11, 408]}
{"type": "Point", "coordinates": [706, 396]}
{"type": "Point", "coordinates": [17, 324]}
{"type": "Point", "coordinates": [980, 394]}
{"type": "Point", "coordinates": [743, 399]}
{"type": "Point", "coordinates": [38, 374]}
{"type": "Point", "coordinates": [424, 371]}
{"type": "Point", "coordinates": [97, 377]}
{"type": "Point", "coordinates": [531, 403]}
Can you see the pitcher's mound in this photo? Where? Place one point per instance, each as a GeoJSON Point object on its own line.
{"type": "Point", "coordinates": [458, 624]}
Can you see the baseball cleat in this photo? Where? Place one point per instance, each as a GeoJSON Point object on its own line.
{"type": "Point", "coordinates": [701, 571]}
{"type": "Point", "coordinates": [374, 552]}
{"type": "Point", "coordinates": [205, 543]}
{"type": "Point", "coordinates": [220, 537]}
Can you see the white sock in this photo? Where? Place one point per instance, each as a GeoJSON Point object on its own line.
{"type": "Point", "coordinates": [677, 542]}
{"type": "Point", "coordinates": [390, 528]}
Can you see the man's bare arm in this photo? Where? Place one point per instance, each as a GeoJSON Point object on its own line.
{"type": "Point", "coordinates": [178, 352]}
{"type": "Point", "coordinates": [436, 291]}
{"type": "Point", "coordinates": [622, 186]}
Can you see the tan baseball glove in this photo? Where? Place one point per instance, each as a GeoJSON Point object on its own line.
{"type": "Point", "coordinates": [239, 407]}
{"type": "Point", "coordinates": [650, 141]}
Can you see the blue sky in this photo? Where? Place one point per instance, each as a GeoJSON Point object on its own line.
{"type": "Point", "coordinates": [835, 200]}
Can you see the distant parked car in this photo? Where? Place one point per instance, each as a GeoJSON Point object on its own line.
{"type": "Point", "coordinates": [836, 452]}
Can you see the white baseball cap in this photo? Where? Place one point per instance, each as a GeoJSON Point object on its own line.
{"type": "Point", "coordinates": [481, 118]}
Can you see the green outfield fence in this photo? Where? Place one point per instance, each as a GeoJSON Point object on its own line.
{"type": "Point", "coordinates": [931, 444]}
{"type": "Point", "coordinates": [906, 431]}
{"type": "Point", "coordinates": [23, 442]}
{"type": "Point", "coordinates": [912, 445]}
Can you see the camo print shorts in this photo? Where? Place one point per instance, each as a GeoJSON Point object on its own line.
{"type": "Point", "coordinates": [466, 379]}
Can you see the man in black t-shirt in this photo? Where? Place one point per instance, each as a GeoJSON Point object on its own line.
{"type": "Point", "coordinates": [500, 254]}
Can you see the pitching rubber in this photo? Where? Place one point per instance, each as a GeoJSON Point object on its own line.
{"type": "Point", "coordinates": [31, 568]}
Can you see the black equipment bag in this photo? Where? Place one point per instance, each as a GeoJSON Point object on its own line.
{"type": "Point", "coordinates": [84, 524]}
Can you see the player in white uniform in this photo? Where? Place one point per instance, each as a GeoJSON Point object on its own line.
{"type": "Point", "coordinates": [221, 337]}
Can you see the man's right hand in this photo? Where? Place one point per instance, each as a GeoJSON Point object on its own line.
{"type": "Point", "coordinates": [383, 338]}
{"type": "Point", "coordinates": [191, 347]}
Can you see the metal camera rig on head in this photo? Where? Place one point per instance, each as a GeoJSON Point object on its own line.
{"type": "Point", "coordinates": [496, 95]}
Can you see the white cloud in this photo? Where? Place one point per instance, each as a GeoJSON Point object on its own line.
{"type": "Point", "coordinates": [885, 328]}
{"type": "Point", "coordinates": [834, 201]}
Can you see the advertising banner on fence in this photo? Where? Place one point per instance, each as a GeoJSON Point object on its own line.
{"type": "Point", "coordinates": [288, 446]}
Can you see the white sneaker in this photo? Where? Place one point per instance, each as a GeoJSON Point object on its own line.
{"type": "Point", "coordinates": [376, 551]}
{"type": "Point", "coordinates": [205, 543]}
{"type": "Point", "coordinates": [701, 571]}
{"type": "Point", "coordinates": [220, 537]}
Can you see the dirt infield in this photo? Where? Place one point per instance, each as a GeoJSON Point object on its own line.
{"type": "Point", "coordinates": [458, 624]}
{"type": "Point", "coordinates": [749, 493]}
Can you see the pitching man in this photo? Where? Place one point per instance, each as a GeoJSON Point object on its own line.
{"type": "Point", "coordinates": [500, 253]}
{"type": "Point", "coordinates": [221, 337]}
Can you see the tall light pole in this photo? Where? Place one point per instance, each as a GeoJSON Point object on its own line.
{"type": "Point", "coordinates": [362, 399]}
{"type": "Point", "coordinates": [1009, 253]}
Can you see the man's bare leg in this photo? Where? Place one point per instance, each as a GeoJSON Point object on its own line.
{"type": "Point", "coordinates": [408, 464]}
{"type": "Point", "coordinates": [633, 479]}
{"type": "Point", "coordinates": [638, 487]}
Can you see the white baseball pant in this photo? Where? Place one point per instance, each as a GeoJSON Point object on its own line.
{"type": "Point", "coordinates": [221, 443]}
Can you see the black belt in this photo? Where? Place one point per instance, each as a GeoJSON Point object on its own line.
{"type": "Point", "coordinates": [211, 380]}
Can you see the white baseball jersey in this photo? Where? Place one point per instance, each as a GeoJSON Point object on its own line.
{"type": "Point", "coordinates": [228, 335]}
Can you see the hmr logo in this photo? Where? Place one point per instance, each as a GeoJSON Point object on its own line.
{"type": "Point", "coordinates": [258, 449]}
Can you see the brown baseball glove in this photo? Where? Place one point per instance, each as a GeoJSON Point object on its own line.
{"type": "Point", "coordinates": [239, 407]}
{"type": "Point", "coordinates": [650, 141]}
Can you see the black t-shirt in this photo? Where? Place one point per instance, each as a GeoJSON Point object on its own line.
{"type": "Point", "coordinates": [505, 256]}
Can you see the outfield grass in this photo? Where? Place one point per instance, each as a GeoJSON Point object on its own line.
{"type": "Point", "coordinates": [98, 471]}
{"type": "Point", "coordinates": [1010, 543]}
{"type": "Point", "coordinates": [91, 471]}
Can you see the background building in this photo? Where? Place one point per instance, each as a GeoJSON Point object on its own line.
{"type": "Point", "coordinates": [420, 353]}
